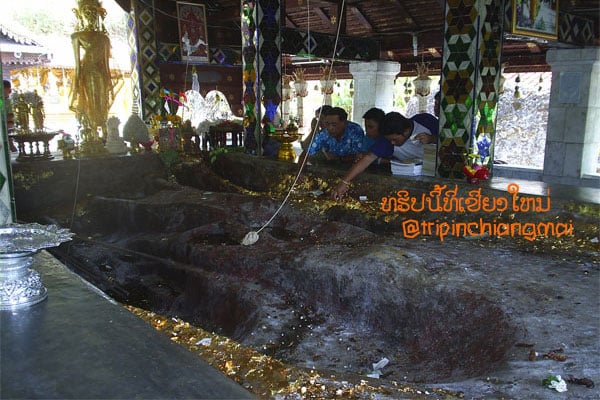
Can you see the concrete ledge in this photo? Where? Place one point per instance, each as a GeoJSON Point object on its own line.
{"type": "Point", "coordinates": [78, 344]}
{"type": "Point", "coordinates": [536, 174]}
{"type": "Point", "coordinates": [588, 181]}
{"type": "Point", "coordinates": [517, 172]}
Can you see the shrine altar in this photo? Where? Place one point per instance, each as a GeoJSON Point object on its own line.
{"type": "Point", "coordinates": [34, 146]}
{"type": "Point", "coordinates": [219, 135]}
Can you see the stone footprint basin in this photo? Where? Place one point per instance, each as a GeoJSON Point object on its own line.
{"type": "Point", "coordinates": [310, 292]}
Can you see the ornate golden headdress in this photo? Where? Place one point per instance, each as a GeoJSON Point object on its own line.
{"type": "Point", "coordinates": [90, 15]}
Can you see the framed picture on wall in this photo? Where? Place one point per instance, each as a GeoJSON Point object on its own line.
{"type": "Point", "coordinates": [537, 18]}
{"type": "Point", "coordinates": [193, 37]}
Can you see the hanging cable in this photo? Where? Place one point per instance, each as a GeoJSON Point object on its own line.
{"type": "Point", "coordinates": [252, 236]}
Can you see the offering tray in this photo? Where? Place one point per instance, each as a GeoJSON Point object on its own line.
{"type": "Point", "coordinates": [19, 285]}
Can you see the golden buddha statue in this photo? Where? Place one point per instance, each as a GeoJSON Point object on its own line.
{"type": "Point", "coordinates": [92, 93]}
{"type": "Point", "coordinates": [37, 112]}
{"type": "Point", "coordinates": [22, 110]}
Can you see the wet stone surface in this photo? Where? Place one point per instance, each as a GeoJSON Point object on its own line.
{"type": "Point", "coordinates": [337, 287]}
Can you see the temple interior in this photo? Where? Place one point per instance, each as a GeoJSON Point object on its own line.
{"type": "Point", "coordinates": [165, 237]}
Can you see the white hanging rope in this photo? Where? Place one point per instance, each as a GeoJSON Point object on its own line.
{"type": "Point", "coordinates": [252, 236]}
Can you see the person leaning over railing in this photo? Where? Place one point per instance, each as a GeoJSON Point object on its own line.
{"type": "Point", "coordinates": [316, 125]}
{"type": "Point", "coordinates": [341, 140]}
{"type": "Point", "coordinates": [396, 130]}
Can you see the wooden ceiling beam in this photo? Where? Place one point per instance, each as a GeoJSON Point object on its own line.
{"type": "Point", "coordinates": [323, 17]}
{"type": "Point", "coordinates": [525, 63]}
{"type": "Point", "coordinates": [289, 23]}
{"type": "Point", "coordinates": [294, 6]}
{"type": "Point", "coordinates": [226, 14]}
{"type": "Point", "coordinates": [361, 17]}
{"type": "Point", "coordinates": [400, 6]}
{"type": "Point", "coordinates": [403, 43]}
{"type": "Point", "coordinates": [340, 17]}
{"type": "Point", "coordinates": [533, 47]}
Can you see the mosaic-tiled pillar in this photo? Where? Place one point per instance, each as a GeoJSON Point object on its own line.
{"type": "Point", "coordinates": [249, 65]}
{"type": "Point", "coordinates": [7, 205]}
{"type": "Point", "coordinates": [269, 56]}
{"type": "Point", "coordinates": [132, 40]}
{"type": "Point", "coordinates": [147, 57]}
{"type": "Point", "coordinates": [261, 48]}
{"type": "Point", "coordinates": [470, 81]}
{"type": "Point", "coordinates": [488, 80]}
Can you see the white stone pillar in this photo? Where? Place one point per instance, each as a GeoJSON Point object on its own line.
{"type": "Point", "coordinates": [573, 135]}
{"type": "Point", "coordinates": [373, 86]}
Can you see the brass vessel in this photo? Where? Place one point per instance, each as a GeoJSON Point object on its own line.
{"type": "Point", "coordinates": [286, 137]}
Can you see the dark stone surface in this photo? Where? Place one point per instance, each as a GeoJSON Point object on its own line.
{"type": "Point", "coordinates": [329, 271]}
{"type": "Point", "coordinates": [45, 188]}
{"type": "Point", "coordinates": [77, 345]}
{"type": "Point", "coordinates": [336, 285]}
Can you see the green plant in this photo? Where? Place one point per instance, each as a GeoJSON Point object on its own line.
{"type": "Point", "coordinates": [169, 157]}
{"type": "Point", "coordinates": [215, 153]}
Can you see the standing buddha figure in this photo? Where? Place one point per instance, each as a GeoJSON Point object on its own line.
{"type": "Point", "coordinates": [37, 111]}
{"type": "Point", "coordinates": [22, 110]}
{"type": "Point", "coordinates": [92, 93]}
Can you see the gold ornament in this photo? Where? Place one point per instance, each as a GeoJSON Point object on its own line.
{"type": "Point", "coordinates": [92, 93]}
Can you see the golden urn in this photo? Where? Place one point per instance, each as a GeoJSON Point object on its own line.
{"type": "Point", "coordinates": [286, 137]}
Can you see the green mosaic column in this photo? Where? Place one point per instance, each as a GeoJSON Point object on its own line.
{"type": "Point", "coordinates": [261, 49]}
{"type": "Point", "coordinates": [147, 57]}
{"type": "Point", "coordinates": [7, 200]}
{"type": "Point", "coordinates": [132, 40]}
{"type": "Point", "coordinates": [488, 81]}
{"type": "Point", "coordinates": [269, 55]}
{"type": "Point", "coordinates": [470, 80]}
{"type": "Point", "coordinates": [249, 45]}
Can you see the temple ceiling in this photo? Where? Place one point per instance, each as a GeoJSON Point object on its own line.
{"type": "Point", "coordinates": [399, 27]}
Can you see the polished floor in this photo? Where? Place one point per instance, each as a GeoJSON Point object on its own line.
{"type": "Point", "coordinates": [79, 344]}
{"type": "Point", "coordinates": [554, 190]}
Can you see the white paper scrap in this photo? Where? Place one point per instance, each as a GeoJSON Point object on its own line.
{"type": "Point", "coordinates": [380, 364]}
{"type": "Point", "coordinates": [204, 342]}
